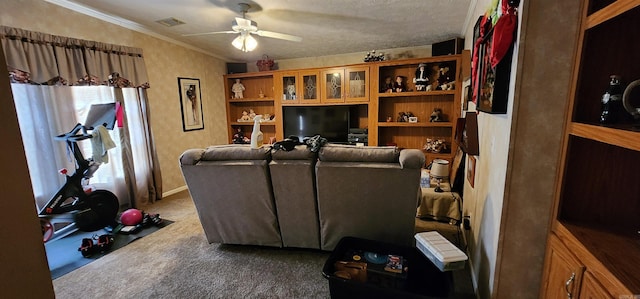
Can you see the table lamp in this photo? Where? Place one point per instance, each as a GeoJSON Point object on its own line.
{"type": "Point", "coordinates": [439, 170]}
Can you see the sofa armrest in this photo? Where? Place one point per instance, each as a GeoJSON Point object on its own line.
{"type": "Point", "coordinates": [191, 156]}
{"type": "Point", "coordinates": [411, 158]}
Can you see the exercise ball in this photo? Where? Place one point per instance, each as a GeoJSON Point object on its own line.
{"type": "Point", "coordinates": [131, 217]}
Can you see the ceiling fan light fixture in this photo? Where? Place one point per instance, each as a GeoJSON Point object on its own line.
{"type": "Point", "coordinates": [238, 42]}
{"type": "Point", "coordinates": [250, 43]}
{"type": "Point", "coordinates": [245, 42]}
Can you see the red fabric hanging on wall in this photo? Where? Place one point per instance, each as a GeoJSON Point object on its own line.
{"type": "Point", "coordinates": [503, 33]}
{"type": "Point", "coordinates": [475, 59]}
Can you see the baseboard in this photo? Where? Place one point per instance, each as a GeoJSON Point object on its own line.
{"type": "Point", "coordinates": [174, 191]}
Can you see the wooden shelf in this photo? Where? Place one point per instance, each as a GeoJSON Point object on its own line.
{"type": "Point", "coordinates": [596, 204]}
{"type": "Point", "coordinates": [250, 123]}
{"type": "Point", "coordinates": [415, 93]}
{"type": "Point", "coordinates": [420, 104]}
{"type": "Point", "coordinates": [394, 124]}
{"type": "Point", "coordinates": [620, 135]}
{"type": "Point", "coordinates": [616, 249]}
{"type": "Point", "coordinates": [246, 100]}
{"type": "Point", "coordinates": [249, 75]}
{"type": "Point", "coordinates": [611, 11]}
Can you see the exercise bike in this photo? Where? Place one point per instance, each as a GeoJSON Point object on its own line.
{"type": "Point", "coordinates": [73, 205]}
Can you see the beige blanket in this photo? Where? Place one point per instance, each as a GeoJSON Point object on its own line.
{"type": "Point", "coordinates": [440, 206]}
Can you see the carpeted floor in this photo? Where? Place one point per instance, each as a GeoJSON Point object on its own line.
{"type": "Point", "coordinates": [177, 262]}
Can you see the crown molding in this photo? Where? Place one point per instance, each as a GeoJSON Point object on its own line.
{"type": "Point", "coordinates": [127, 24]}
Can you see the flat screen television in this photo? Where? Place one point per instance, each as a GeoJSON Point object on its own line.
{"type": "Point", "coordinates": [330, 122]}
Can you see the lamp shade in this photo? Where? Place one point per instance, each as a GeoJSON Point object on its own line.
{"type": "Point", "coordinates": [245, 42]}
{"type": "Point", "coordinates": [439, 168]}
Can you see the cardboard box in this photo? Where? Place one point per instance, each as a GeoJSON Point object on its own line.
{"type": "Point", "coordinates": [440, 251]}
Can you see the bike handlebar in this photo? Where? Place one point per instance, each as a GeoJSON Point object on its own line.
{"type": "Point", "coordinates": [73, 134]}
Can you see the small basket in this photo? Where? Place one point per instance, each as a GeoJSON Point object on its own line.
{"type": "Point", "coordinates": [265, 64]}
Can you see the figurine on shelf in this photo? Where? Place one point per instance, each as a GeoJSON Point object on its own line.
{"type": "Point", "coordinates": [237, 89]}
{"type": "Point", "coordinates": [291, 91]}
{"type": "Point", "coordinates": [245, 116]}
{"type": "Point", "coordinates": [445, 78]}
{"type": "Point", "coordinates": [266, 117]}
{"type": "Point", "coordinates": [422, 78]}
{"type": "Point", "coordinates": [435, 145]}
{"type": "Point", "coordinates": [399, 86]}
{"type": "Point", "coordinates": [436, 115]}
{"type": "Point", "coordinates": [404, 116]}
{"type": "Point", "coordinates": [252, 114]}
{"type": "Point", "coordinates": [387, 86]}
{"type": "Point", "coordinates": [239, 138]}
{"type": "Point", "coordinates": [261, 94]}
{"type": "Point", "coordinates": [372, 56]}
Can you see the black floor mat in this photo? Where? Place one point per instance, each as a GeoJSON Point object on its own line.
{"type": "Point", "coordinates": [63, 255]}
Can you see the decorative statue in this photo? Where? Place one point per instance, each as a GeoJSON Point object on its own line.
{"type": "Point", "coordinates": [399, 86]}
{"type": "Point", "coordinates": [239, 138]}
{"type": "Point", "coordinates": [436, 115]}
{"type": "Point", "coordinates": [252, 114]}
{"type": "Point", "coordinates": [422, 78]}
{"type": "Point", "coordinates": [237, 89]}
{"type": "Point", "coordinates": [245, 116]}
{"type": "Point", "coordinates": [387, 86]}
{"type": "Point", "coordinates": [435, 145]}
{"type": "Point", "coordinates": [445, 78]}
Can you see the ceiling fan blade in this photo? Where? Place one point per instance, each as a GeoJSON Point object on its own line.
{"type": "Point", "coordinates": [209, 33]}
{"type": "Point", "coordinates": [277, 35]}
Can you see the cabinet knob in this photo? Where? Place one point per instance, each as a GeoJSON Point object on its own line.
{"type": "Point", "coordinates": [569, 282]}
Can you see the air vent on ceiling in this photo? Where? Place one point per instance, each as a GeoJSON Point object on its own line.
{"type": "Point", "coordinates": [170, 22]}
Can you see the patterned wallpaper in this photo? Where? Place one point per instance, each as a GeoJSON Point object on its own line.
{"type": "Point", "coordinates": [166, 62]}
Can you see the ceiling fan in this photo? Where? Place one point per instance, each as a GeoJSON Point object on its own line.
{"type": "Point", "coordinates": [245, 28]}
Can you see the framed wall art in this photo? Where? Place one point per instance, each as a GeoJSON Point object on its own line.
{"type": "Point", "coordinates": [471, 171]}
{"type": "Point", "coordinates": [190, 104]}
{"type": "Point", "coordinates": [493, 82]}
{"type": "Point", "coordinates": [467, 133]}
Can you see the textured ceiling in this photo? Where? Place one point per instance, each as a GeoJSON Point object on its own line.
{"type": "Point", "coordinates": [327, 27]}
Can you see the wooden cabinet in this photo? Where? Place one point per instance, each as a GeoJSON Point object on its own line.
{"type": "Point", "coordinates": [421, 104]}
{"type": "Point", "coordinates": [592, 289]}
{"type": "Point", "coordinates": [258, 97]}
{"type": "Point", "coordinates": [598, 195]}
{"type": "Point", "coordinates": [564, 273]}
{"type": "Point", "coordinates": [567, 276]}
{"type": "Point", "coordinates": [298, 87]}
{"type": "Point", "coordinates": [356, 86]}
{"type": "Point", "coordinates": [344, 85]}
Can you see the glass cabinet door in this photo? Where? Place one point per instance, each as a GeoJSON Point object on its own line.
{"type": "Point", "coordinates": [357, 84]}
{"type": "Point", "coordinates": [332, 84]}
{"type": "Point", "coordinates": [289, 89]}
{"type": "Point", "coordinates": [309, 89]}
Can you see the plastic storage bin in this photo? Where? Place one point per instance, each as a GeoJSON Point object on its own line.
{"type": "Point", "coordinates": [408, 275]}
{"type": "Point", "coordinates": [440, 251]}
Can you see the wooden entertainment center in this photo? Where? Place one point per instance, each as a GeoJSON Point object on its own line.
{"type": "Point", "coordinates": [593, 249]}
{"type": "Point", "coordinates": [359, 87]}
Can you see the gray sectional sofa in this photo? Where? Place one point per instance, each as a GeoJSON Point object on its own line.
{"type": "Point", "coordinates": [304, 199]}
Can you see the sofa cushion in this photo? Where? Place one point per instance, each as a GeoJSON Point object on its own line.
{"type": "Point", "coordinates": [349, 153]}
{"type": "Point", "coordinates": [235, 152]}
{"type": "Point", "coordinates": [300, 152]}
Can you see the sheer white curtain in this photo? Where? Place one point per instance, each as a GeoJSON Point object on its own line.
{"type": "Point", "coordinates": [46, 111]}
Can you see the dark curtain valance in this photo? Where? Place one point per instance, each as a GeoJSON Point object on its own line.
{"type": "Point", "coordinates": [39, 58]}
